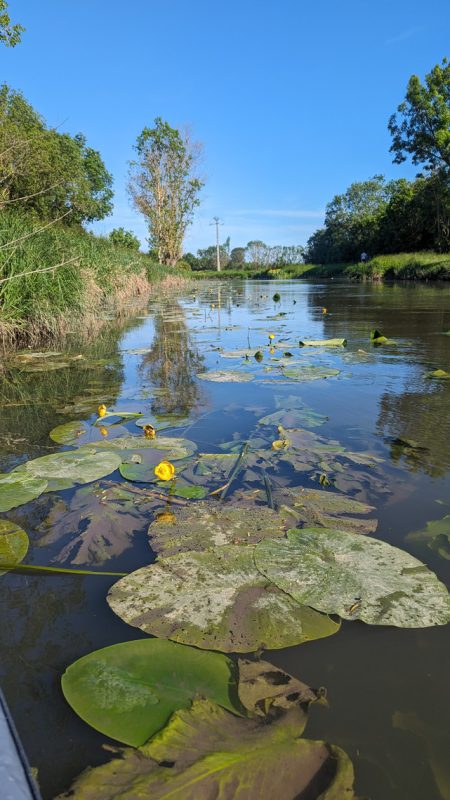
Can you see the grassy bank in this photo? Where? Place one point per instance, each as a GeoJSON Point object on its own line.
{"type": "Point", "coordinates": [400, 266]}
{"type": "Point", "coordinates": [55, 280]}
{"type": "Point", "coordinates": [403, 266]}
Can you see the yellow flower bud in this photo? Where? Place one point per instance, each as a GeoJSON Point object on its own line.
{"type": "Point", "coordinates": [271, 336]}
{"type": "Point", "coordinates": [165, 471]}
{"type": "Point", "coordinates": [149, 432]}
{"type": "Point", "coordinates": [104, 431]}
{"type": "Point", "coordinates": [324, 310]}
{"type": "Point", "coordinates": [102, 411]}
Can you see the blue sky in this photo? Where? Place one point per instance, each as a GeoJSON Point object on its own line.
{"type": "Point", "coordinates": [290, 98]}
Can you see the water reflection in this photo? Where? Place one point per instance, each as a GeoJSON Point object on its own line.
{"type": "Point", "coordinates": [172, 363]}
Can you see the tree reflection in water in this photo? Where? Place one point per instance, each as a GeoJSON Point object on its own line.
{"type": "Point", "coordinates": [173, 363]}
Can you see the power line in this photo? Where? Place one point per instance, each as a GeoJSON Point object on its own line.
{"type": "Point", "coordinates": [217, 222]}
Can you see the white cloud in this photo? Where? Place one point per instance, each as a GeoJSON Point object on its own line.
{"type": "Point", "coordinates": [406, 34]}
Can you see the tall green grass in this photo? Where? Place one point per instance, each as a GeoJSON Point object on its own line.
{"type": "Point", "coordinates": [403, 266]}
{"type": "Point", "coordinates": [89, 271]}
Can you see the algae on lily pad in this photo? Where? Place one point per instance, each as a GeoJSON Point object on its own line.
{"type": "Point", "coordinates": [326, 509]}
{"type": "Point", "coordinates": [225, 376]}
{"type": "Point", "coordinates": [17, 488]}
{"type": "Point", "coordinates": [129, 691]}
{"type": "Point", "coordinates": [65, 470]}
{"type": "Point", "coordinates": [309, 373]}
{"type": "Point", "coordinates": [356, 577]}
{"type": "Point", "coordinates": [215, 600]}
{"type": "Point", "coordinates": [435, 535]}
{"type": "Point", "coordinates": [209, 524]}
{"type": "Point", "coordinates": [206, 752]}
{"type": "Point", "coordinates": [13, 545]}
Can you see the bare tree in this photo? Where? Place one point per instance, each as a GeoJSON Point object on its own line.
{"type": "Point", "coordinates": [165, 188]}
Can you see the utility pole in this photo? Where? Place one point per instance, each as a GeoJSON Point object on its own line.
{"type": "Point", "coordinates": [217, 222]}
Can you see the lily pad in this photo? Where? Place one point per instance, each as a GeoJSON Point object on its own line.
{"type": "Point", "coordinates": [13, 544]}
{"type": "Point", "coordinates": [65, 470]}
{"type": "Point", "coordinates": [248, 353]}
{"type": "Point", "coordinates": [294, 418]}
{"type": "Point", "coordinates": [439, 374]}
{"type": "Point", "coordinates": [322, 343]}
{"type": "Point", "coordinates": [206, 525]}
{"type": "Point", "coordinates": [16, 489]}
{"type": "Point", "coordinates": [436, 535]}
{"type": "Point", "coordinates": [71, 433]}
{"type": "Point", "coordinates": [122, 415]}
{"type": "Point", "coordinates": [327, 509]}
{"type": "Point", "coordinates": [99, 523]}
{"type": "Point", "coordinates": [264, 688]}
{"type": "Point", "coordinates": [176, 447]}
{"type": "Point", "coordinates": [215, 600]}
{"type": "Point", "coordinates": [161, 422]}
{"type": "Point", "coordinates": [128, 691]}
{"type": "Point", "coordinates": [308, 373]}
{"type": "Point", "coordinates": [225, 376]}
{"type": "Point", "coordinates": [356, 577]}
{"type": "Point", "coordinates": [206, 752]}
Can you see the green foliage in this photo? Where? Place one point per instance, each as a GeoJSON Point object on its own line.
{"type": "Point", "coordinates": [164, 187]}
{"type": "Point", "coordinates": [421, 127]}
{"type": "Point", "coordinates": [50, 174]}
{"type": "Point", "coordinates": [123, 238]}
{"type": "Point", "coordinates": [184, 265]}
{"type": "Point", "coordinates": [127, 691]}
{"type": "Point", "coordinates": [10, 34]}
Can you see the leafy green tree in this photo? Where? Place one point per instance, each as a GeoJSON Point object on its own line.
{"type": "Point", "coordinates": [237, 258]}
{"type": "Point", "coordinates": [48, 173]}
{"type": "Point", "coordinates": [9, 34]}
{"type": "Point", "coordinates": [122, 238]}
{"type": "Point", "coordinates": [207, 258]}
{"type": "Point", "coordinates": [164, 187]}
{"type": "Point", "coordinates": [421, 127]}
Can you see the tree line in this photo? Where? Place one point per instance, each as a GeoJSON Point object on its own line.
{"type": "Point", "coordinates": [378, 216]}
{"type": "Point", "coordinates": [255, 255]}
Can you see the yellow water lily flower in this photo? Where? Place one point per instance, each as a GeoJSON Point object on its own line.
{"type": "Point", "coordinates": [324, 310]}
{"type": "Point", "coordinates": [103, 430]}
{"type": "Point", "coordinates": [165, 517]}
{"type": "Point", "coordinates": [271, 336]}
{"type": "Point", "coordinates": [149, 432]}
{"type": "Point", "coordinates": [102, 410]}
{"type": "Point", "coordinates": [278, 444]}
{"type": "Point", "coordinates": [165, 471]}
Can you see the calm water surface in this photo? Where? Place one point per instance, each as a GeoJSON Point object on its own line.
{"type": "Point", "coordinates": [387, 688]}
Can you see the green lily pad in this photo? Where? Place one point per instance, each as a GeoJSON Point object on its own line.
{"type": "Point", "coordinates": [439, 374]}
{"type": "Point", "coordinates": [215, 600]}
{"type": "Point", "coordinates": [161, 422]}
{"type": "Point", "coordinates": [16, 489]}
{"type": "Point", "coordinates": [189, 491]}
{"type": "Point", "coordinates": [128, 691]}
{"type": "Point", "coordinates": [173, 447]}
{"type": "Point", "coordinates": [71, 433]}
{"type": "Point", "coordinates": [435, 535]}
{"type": "Point", "coordinates": [206, 752]}
{"type": "Point", "coordinates": [225, 376]}
{"type": "Point", "coordinates": [206, 525]}
{"type": "Point", "coordinates": [248, 353]}
{"type": "Point", "coordinates": [308, 373]}
{"type": "Point", "coordinates": [65, 470]}
{"type": "Point", "coordinates": [322, 343]}
{"type": "Point", "coordinates": [318, 507]}
{"type": "Point", "coordinates": [13, 544]}
{"type": "Point", "coordinates": [356, 577]}
{"type": "Point", "coordinates": [122, 415]}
